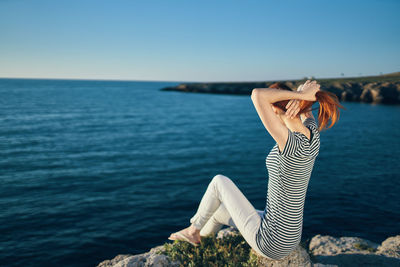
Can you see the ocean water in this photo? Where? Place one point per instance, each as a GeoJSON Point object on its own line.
{"type": "Point", "coordinates": [92, 169]}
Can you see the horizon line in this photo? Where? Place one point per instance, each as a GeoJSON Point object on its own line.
{"type": "Point", "coordinates": [128, 80]}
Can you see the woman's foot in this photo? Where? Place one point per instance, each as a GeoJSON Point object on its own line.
{"type": "Point", "coordinates": [192, 236]}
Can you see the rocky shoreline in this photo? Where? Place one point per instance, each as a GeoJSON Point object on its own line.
{"type": "Point", "coordinates": [322, 251]}
{"type": "Point", "coordinates": [383, 89]}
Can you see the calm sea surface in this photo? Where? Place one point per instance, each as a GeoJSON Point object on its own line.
{"type": "Point", "coordinates": [92, 169]}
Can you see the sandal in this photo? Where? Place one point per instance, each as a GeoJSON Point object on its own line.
{"type": "Point", "coordinates": [184, 238]}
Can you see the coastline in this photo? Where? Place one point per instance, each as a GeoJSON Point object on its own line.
{"type": "Point", "coordinates": [320, 251]}
{"type": "Point", "coordinates": [383, 89]}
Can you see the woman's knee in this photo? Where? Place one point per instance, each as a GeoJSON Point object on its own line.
{"type": "Point", "coordinates": [219, 178]}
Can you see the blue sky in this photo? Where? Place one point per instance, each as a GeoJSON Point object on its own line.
{"type": "Point", "coordinates": [198, 40]}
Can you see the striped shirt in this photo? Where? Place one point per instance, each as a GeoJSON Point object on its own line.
{"type": "Point", "coordinates": [289, 172]}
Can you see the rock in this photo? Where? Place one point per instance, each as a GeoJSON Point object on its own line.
{"type": "Point", "coordinates": [354, 251]}
{"type": "Point", "coordinates": [148, 259]}
{"type": "Point", "coordinates": [388, 93]}
{"type": "Point", "coordinates": [298, 257]}
{"type": "Point", "coordinates": [366, 96]}
{"type": "Point", "coordinates": [347, 96]}
{"type": "Point", "coordinates": [323, 251]}
{"type": "Point", "coordinates": [328, 245]}
{"type": "Point", "coordinates": [114, 261]}
{"type": "Point", "coordinates": [373, 89]}
{"type": "Point", "coordinates": [390, 247]}
{"type": "Point", "coordinates": [227, 232]}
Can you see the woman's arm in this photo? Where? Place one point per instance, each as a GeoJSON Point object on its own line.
{"type": "Point", "coordinates": [306, 92]}
{"type": "Point", "coordinates": [271, 122]}
{"type": "Point", "coordinates": [293, 107]}
{"type": "Point", "coordinates": [273, 95]}
{"type": "Point", "coordinates": [264, 97]}
{"type": "Point", "coordinates": [262, 100]}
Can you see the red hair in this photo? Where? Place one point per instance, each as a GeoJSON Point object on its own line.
{"type": "Point", "coordinates": [328, 106]}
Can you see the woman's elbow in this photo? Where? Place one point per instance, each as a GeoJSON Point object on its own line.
{"type": "Point", "coordinates": [254, 92]}
{"type": "Point", "coordinates": [259, 93]}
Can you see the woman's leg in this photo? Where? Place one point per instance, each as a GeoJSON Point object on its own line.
{"type": "Point", "coordinates": [245, 217]}
{"type": "Point", "coordinates": [220, 218]}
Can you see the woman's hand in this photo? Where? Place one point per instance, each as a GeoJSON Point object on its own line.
{"type": "Point", "coordinates": [292, 107]}
{"type": "Point", "coordinates": [309, 89]}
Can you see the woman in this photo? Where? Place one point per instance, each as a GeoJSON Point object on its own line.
{"type": "Point", "coordinates": [276, 231]}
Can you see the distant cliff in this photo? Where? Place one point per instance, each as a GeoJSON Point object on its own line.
{"type": "Point", "coordinates": [383, 89]}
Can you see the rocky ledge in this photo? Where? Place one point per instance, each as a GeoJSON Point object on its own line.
{"type": "Point", "coordinates": [383, 89]}
{"type": "Point", "coordinates": [321, 251]}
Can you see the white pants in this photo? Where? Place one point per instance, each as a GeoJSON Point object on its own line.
{"type": "Point", "coordinates": [224, 204]}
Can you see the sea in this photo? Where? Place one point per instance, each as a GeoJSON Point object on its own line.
{"type": "Point", "coordinates": [90, 169]}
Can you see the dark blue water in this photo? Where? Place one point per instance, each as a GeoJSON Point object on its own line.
{"type": "Point", "coordinates": [92, 169]}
